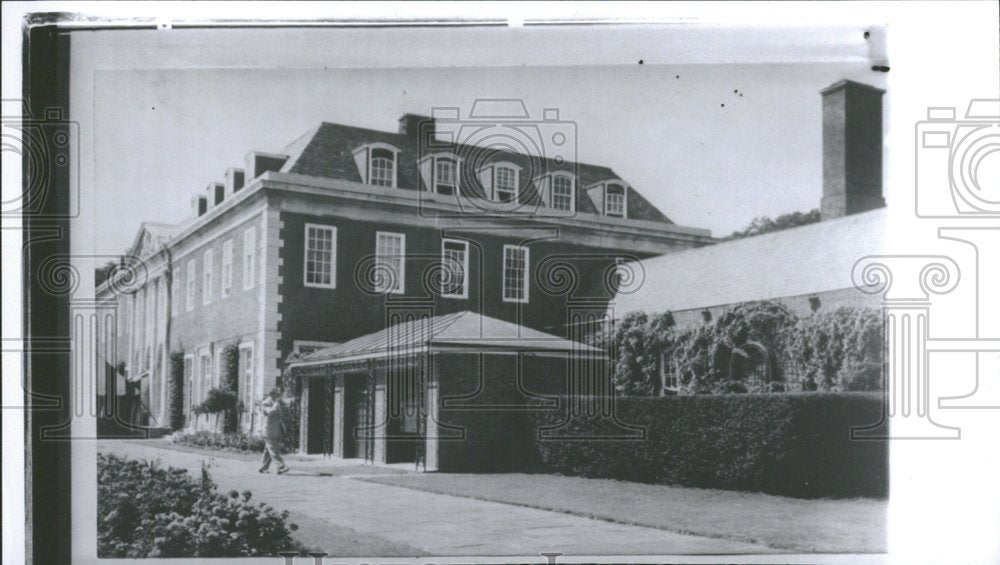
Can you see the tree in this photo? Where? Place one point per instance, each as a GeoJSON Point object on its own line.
{"type": "Point", "coordinates": [763, 224]}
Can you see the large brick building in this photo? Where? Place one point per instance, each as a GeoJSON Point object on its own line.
{"type": "Point", "coordinates": [348, 231]}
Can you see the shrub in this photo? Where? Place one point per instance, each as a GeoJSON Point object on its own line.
{"type": "Point", "coordinates": [145, 510]}
{"type": "Point", "coordinates": [789, 444]}
{"type": "Point", "coordinates": [217, 401]}
{"type": "Point", "coordinates": [837, 351]}
{"type": "Point", "coordinates": [231, 385]}
{"type": "Point", "coordinates": [239, 443]}
{"type": "Point", "coordinates": [730, 354]}
{"type": "Point", "coordinates": [177, 390]}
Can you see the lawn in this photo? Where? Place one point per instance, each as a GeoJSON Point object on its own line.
{"type": "Point", "coordinates": [822, 526]}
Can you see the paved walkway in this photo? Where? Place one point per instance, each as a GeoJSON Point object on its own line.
{"type": "Point", "coordinates": [437, 524]}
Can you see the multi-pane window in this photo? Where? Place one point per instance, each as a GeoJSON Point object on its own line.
{"type": "Point", "coordinates": [614, 200]}
{"type": "Point", "coordinates": [320, 258]}
{"type": "Point", "coordinates": [204, 375]}
{"type": "Point", "coordinates": [562, 193]}
{"type": "Point", "coordinates": [249, 257]}
{"type": "Point", "coordinates": [515, 273]}
{"type": "Point", "coordinates": [246, 378]}
{"type": "Point", "coordinates": [227, 268]}
{"type": "Point", "coordinates": [668, 373]}
{"type": "Point", "coordinates": [506, 184]}
{"type": "Point", "coordinates": [383, 167]}
{"type": "Point", "coordinates": [188, 383]}
{"type": "Point", "coordinates": [189, 298]}
{"type": "Point", "coordinates": [455, 259]}
{"type": "Point", "coordinates": [445, 176]}
{"type": "Point", "coordinates": [390, 251]}
{"type": "Point", "coordinates": [174, 296]}
{"type": "Point", "coordinates": [206, 287]}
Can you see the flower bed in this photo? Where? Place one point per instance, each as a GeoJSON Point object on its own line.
{"type": "Point", "coordinates": [146, 510]}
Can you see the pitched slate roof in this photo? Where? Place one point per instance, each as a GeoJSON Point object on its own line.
{"type": "Point", "coordinates": [804, 260]}
{"type": "Point", "coordinates": [327, 151]}
{"type": "Point", "coordinates": [461, 329]}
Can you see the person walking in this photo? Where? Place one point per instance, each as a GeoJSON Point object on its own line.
{"type": "Point", "coordinates": [271, 407]}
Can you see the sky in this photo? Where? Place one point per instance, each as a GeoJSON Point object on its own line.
{"type": "Point", "coordinates": [711, 145]}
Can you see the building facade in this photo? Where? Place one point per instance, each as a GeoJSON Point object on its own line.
{"type": "Point", "coordinates": [350, 230]}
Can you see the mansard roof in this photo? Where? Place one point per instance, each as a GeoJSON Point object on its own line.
{"type": "Point", "coordinates": [799, 261]}
{"type": "Point", "coordinates": [327, 151]}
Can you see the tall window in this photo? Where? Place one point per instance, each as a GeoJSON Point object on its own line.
{"type": "Point", "coordinates": [189, 298]}
{"type": "Point", "coordinates": [383, 167]}
{"type": "Point", "coordinates": [321, 257]}
{"type": "Point", "coordinates": [668, 373]}
{"type": "Point", "coordinates": [175, 295]}
{"type": "Point", "coordinates": [515, 273]}
{"type": "Point", "coordinates": [249, 257]}
{"type": "Point", "coordinates": [188, 384]}
{"type": "Point", "coordinates": [246, 378]}
{"type": "Point", "coordinates": [562, 193]}
{"type": "Point", "coordinates": [506, 184]}
{"type": "Point", "coordinates": [390, 251]}
{"type": "Point", "coordinates": [204, 375]}
{"type": "Point", "coordinates": [206, 287]}
{"type": "Point", "coordinates": [614, 200]}
{"type": "Point", "coordinates": [227, 268]}
{"type": "Point", "coordinates": [445, 175]}
{"type": "Point", "coordinates": [455, 279]}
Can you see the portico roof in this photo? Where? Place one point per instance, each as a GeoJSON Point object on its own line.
{"type": "Point", "coordinates": [449, 332]}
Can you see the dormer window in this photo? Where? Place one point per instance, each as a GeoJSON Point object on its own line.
{"type": "Point", "coordinates": [383, 167]}
{"type": "Point", "coordinates": [614, 200]}
{"type": "Point", "coordinates": [377, 164]}
{"type": "Point", "coordinates": [501, 181]}
{"type": "Point", "coordinates": [440, 173]}
{"type": "Point", "coordinates": [445, 175]}
{"type": "Point", "coordinates": [562, 197]}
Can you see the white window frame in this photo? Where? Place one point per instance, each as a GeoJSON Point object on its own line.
{"type": "Point", "coordinates": [189, 386]}
{"type": "Point", "coordinates": [192, 276]}
{"type": "Point", "coordinates": [465, 267]}
{"type": "Point", "coordinates": [624, 195]}
{"type": "Point", "coordinates": [363, 159]}
{"type": "Point", "coordinates": [455, 164]}
{"type": "Point", "coordinates": [400, 278]}
{"type": "Point", "coordinates": [208, 265]}
{"type": "Point", "coordinates": [249, 257]}
{"type": "Point", "coordinates": [527, 270]}
{"type": "Point", "coordinates": [203, 388]}
{"type": "Point", "coordinates": [552, 191]}
{"type": "Point", "coordinates": [496, 177]}
{"type": "Point", "coordinates": [333, 256]}
{"type": "Point", "coordinates": [247, 383]}
{"type": "Point", "coordinates": [174, 296]}
{"type": "Point", "coordinates": [664, 363]}
{"type": "Point", "coordinates": [227, 268]}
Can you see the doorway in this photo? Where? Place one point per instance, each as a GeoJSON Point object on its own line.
{"type": "Point", "coordinates": [357, 418]}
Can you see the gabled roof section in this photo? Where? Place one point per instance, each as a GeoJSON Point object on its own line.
{"type": "Point", "coordinates": [804, 260]}
{"type": "Point", "coordinates": [151, 237]}
{"type": "Point", "coordinates": [461, 329]}
{"type": "Point", "coordinates": [328, 152]}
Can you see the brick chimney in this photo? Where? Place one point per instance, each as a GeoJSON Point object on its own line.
{"type": "Point", "coordinates": [852, 149]}
{"type": "Point", "coordinates": [410, 126]}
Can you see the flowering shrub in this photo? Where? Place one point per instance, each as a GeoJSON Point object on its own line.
{"type": "Point", "coordinates": [145, 510]}
{"type": "Point", "coordinates": [224, 442]}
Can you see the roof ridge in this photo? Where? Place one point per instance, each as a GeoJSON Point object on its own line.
{"type": "Point", "coordinates": [456, 316]}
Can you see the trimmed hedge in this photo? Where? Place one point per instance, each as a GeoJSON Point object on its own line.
{"type": "Point", "coordinates": [238, 443]}
{"type": "Point", "coordinates": [789, 444]}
